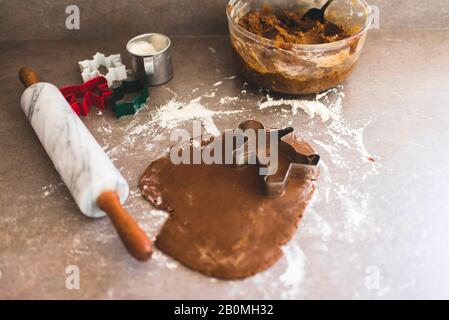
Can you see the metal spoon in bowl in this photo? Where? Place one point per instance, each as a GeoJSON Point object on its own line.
{"type": "Point", "coordinates": [317, 14]}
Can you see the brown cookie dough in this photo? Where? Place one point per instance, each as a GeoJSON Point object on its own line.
{"type": "Point", "coordinates": [221, 221]}
{"type": "Point", "coordinates": [283, 53]}
{"type": "Point", "coordinates": [288, 27]}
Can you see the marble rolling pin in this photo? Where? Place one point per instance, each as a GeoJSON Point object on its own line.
{"type": "Point", "coordinates": [95, 184]}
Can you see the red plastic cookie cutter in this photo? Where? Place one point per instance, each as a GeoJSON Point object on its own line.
{"type": "Point", "coordinates": [94, 92]}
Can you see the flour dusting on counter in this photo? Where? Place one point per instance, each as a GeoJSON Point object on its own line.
{"type": "Point", "coordinates": [310, 107]}
{"type": "Point", "coordinates": [49, 189]}
{"type": "Point", "coordinates": [294, 274]}
{"type": "Point", "coordinates": [335, 138]}
{"type": "Point", "coordinates": [342, 147]}
{"type": "Point", "coordinates": [227, 100]}
{"type": "Point", "coordinates": [175, 113]}
{"type": "Point", "coordinates": [146, 128]}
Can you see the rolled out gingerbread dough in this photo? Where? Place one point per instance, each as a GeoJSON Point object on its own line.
{"type": "Point", "coordinates": [221, 222]}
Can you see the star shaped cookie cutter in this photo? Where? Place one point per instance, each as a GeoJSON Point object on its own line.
{"type": "Point", "coordinates": [113, 63]}
{"type": "Point", "coordinates": [302, 165]}
{"type": "Point", "coordinates": [94, 92]}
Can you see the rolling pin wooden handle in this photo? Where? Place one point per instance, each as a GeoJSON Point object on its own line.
{"type": "Point", "coordinates": [28, 77]}
{"type": "Point", "coordinates": [133, 237]}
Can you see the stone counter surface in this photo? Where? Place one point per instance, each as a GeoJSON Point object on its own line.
{"type": "Point", "coordinates": [374, 229]}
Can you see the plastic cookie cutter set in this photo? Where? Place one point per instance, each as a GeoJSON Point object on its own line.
{"type": "Point", "coordinates": [94, 92]}
{"type": "Point", "coordinates": [116, 70]}
{"type": "Point", "coordinates": [103, 91]}
{"type": "Point", "coordinates": [301, 166]}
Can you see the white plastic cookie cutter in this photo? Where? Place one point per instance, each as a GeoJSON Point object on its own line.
{"type": "Point", "coordinates": [113, 63]}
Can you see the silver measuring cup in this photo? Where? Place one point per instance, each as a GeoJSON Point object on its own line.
{"type": "Point", "coordinates": [151, 58]}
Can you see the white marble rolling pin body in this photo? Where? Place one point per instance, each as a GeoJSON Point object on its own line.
{"type": "Point", "coordinates": [81, 162]}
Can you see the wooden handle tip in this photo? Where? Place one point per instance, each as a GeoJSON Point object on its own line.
{"type": "Point", "coordinates": [28, 76]}
{"type": "Point", "coordinates": [132, 236]}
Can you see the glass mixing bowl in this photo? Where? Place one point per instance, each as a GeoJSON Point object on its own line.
{"type": "Point", "coordinates": [296, 68]}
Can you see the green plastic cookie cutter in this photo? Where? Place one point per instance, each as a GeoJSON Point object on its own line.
{"type": "Point", "coordinates": [130, 85]}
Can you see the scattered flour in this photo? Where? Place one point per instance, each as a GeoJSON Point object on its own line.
{"type": "Point", "coordinates": [175, 113]}
{"type": "Point", "coordinates": [340, 131]}
{"type": "Point", "coordinates": [340, 144]}
{"type": "Point", "coordinates": [309, 107]}
{"type": "Point", "coordinates": [48, 190]}
{"type": "Point", "coordinates": [209, 95]}
{"type": "Point", "coordinates": [342, 147]}
{"type": "Point", "coordinates": [226, 100]}
{"type": "Point", "coordinates": [140, 133]}
{"type": "Point", "coordinates": [171, 91]}
{"type": "Point", "coordinates": [295, 271]}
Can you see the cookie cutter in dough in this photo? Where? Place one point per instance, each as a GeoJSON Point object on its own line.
{"type": "Point", "coordinates": [302, 165]}
{"type": "Point", "coordinates": [94, 92]}
{"type": "Point", "coordinates": [130, 85]}
{"type": "Point", "coordinates": [113, 63]}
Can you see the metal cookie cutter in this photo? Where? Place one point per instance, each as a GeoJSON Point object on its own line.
{"type": "Point", "coordinates": [302, 165]}
{"type": "Point", "coordinates": [130, 85]}
{"type": "Point", "coordinates": [113, 63]}
{"type": "Point", "coordinates": [94, 92]}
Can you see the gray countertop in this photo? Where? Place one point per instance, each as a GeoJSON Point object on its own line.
{"type": "Point", "coordinates": [374, 229]}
